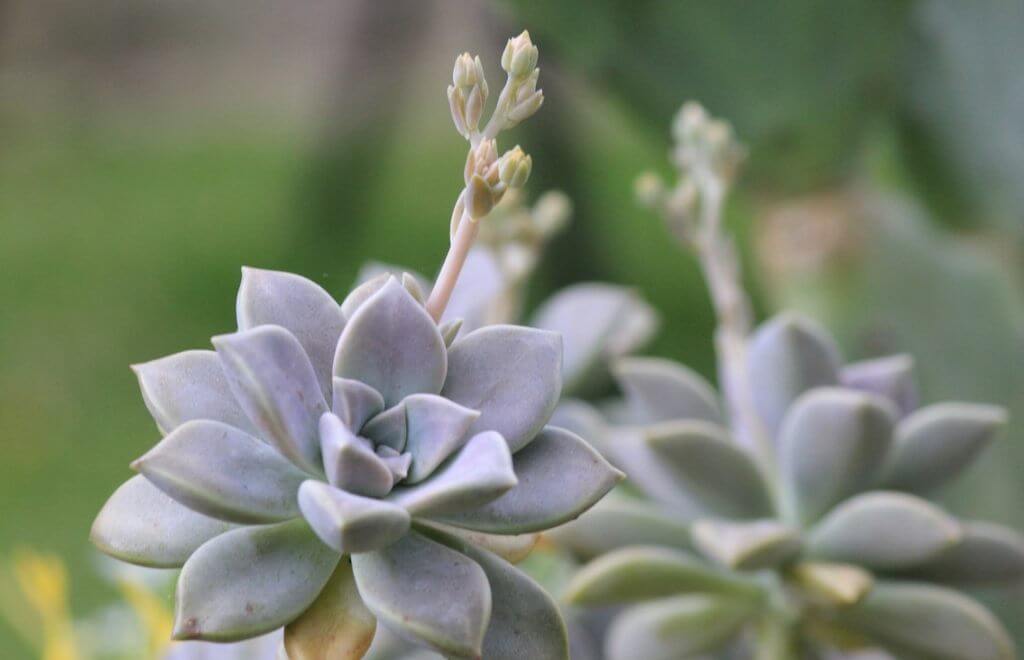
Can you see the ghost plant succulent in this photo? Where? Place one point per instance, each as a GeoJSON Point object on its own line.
{"type": "Point", "coordinates": [792, 521]}
{"type": "Point", "coordinates": [331, 467]}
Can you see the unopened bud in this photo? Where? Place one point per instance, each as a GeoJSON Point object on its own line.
{"type": "Point", "coordinates": [468, 93]}
{"type": "Point", "coordinates": [468, 72]}
{"type": "Point", "coordinates": [520, 56]}
{"type": "Point", "coordinates": [480, 160]}
{"type": "Point", "coordinates": [514, 168]}
{"type": "Point", "coordinates": [649, 189]}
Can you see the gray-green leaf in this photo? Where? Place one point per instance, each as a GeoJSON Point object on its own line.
{"type": "Point", "coordinates": [987, 554]}
{"type": "Point", "coordinates": [250, 581]}
{"type": "Point", "coordinates": [674, 628]}
{"type": "Point", "coordinates": [617, 521]}
{"type": "Point", "coordinates": [480, 472]}
{"type": "Point", "coordinates": [273, 380]}
{"type": "Point", "coordinates": [525, 621]}
{"type": "Point", "coordinates": [298, 305]}
{"type": "Point", "coordinates": [787, 356]}
{"type": "Point", "coordinates": [925, 621]}
{"type": "Point", "coordinates": [354, 402]}
{"type": "Point", "coordinates": [223, 472]}
{"type": "Point", "coordinates": [512, 375]}
{"type": "Point", "coordinates": [719, 475]}
{"type": "Point", "coordinates": [428, 592]}
{"type": "Point", "coordinates": [436, 428]}
{"type": "Point", "coordinates": [598, 322]}
{"type": "Point", "coordinates": [884, 531]}
{"type": "Point", "coordinates": [141, 525]}
{"type": "Point", "coordinates": [641, 573]}
{"type": "Point", "coordinates": [351, 523]}
{"type": "Point", "coordinates": [891, 377]}
{"type": "Point", "coordinates": [350, 462]}
{"type": "Point", "coordinates": [831, 444]}
{"type": "Point", "coordinates": [392, 345]}
{"type": "Point", "coordinates": [560, 476]}
{"type": "Point", "coordinates": [186, 386]}
{"type": "Point", "coordinates": [935, 443]}
{"type": "Point", "coordinates": [659, 390]}
{"type": "Point", "coordinates": [751, 545]}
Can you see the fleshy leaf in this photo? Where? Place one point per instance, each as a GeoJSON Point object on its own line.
{"type": "Point", "coordinates": [390, 428]}
{"type": "Point", "coordinates": [141, 525]}
{"type": "Point", "coordinates": [480, 472]}
{"type": "Point", "coordinates": [186, 386]}
{"type": "Point", "coordinates": [712, 470]}
{"type": "Point", "coordinates": [598, 322]}
{"type": "Point", "coordinates": [427, 592]}
{"type": "Point", "coordinates": [642, 573]}
{"type": "Point", "coordinates": [659, 390]}
{"type": "Point", "coordinates": [436, 428]}
{"type": "Point", "coordinates": [350, 462]}
{"type": "Point", "coordinates": [512, 375]}
{"type": "Point", "coordinates": [925, 621]}
{"type": "Point", "coordinates": [560, 476]}
{"type": "Point", "coordinates": [450, 330]}
{"type": "Point", "coordinates": [223, 472]}
{"type": "Point", "coordinates": [787, 356]}
{"type": "Point", "coordinates": [273, 380]}
{"type": "Point", "coordinates": [935, 443]}
{"type": "Point", "coordinates": [250, 581]}
{"type": "Point", "coordinates": [884, 531]}
{"type": "Point", "coordinates": [837, 584]}
{"type": "Point", "coordinates": [987, 554]}
{"type": "Point", "coordinates": [616, 522]}
{"type": "Point", "coordinates": [351, 523]}
{"type": "Point", "coordinates": [891, 377]}
{"type": "Point", "coordinates": [673, 628]}
{"type": "Point", "coordinates": [525, 621]}
{"type": "Point", "coordinates": [298, 305]}
{"type": "Point", "coordinates": [337, 626]}
{"type": "Point", "coordinates": [511, 548]}
{"type": "Point", "coordinates": [751, 545]}
{"type": "Point", "coordinates": [363, 292]}
{"type": "Point", "coordinates": [354, 403]}
{"type": "Point", "coordinates": [831, 445]}
{"type": "Point", "coordinates": [392, 345]}
{"type": "Point", "coordinates": [629, 451]}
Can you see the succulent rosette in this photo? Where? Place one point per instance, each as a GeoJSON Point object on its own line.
{"type": "Point", "coordinates": [834, 546]}
{"type": "Point", "coordinates": [328, 468]}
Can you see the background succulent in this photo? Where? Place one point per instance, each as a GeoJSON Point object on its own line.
{"type": "Point", "coordinates": [286, 510]}
{"type": "Point", "coordinates": [834, 548]}
{"type": "Point", "coordinates": [786, 517]}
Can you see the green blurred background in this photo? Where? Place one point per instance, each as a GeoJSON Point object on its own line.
{"type": "Point", "coordinates": [149, 149]}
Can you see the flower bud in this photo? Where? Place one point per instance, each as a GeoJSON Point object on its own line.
{"type": "Point", "coordinates": [514, 168]}
{"type": "Point", "coordinates": [481, 160]}
{"type": "Point", "coordinates": [649, 189]}
{"type": "Point", "coordinates": [520, 56]}
{"type": "Point", "coordinates": [468, 93]}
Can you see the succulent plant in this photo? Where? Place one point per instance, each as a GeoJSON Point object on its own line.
{"type": "Point", "coordinates": [285, 509]}
{"type": "Point", "coordinates": [786, 518]}
{"type": "Point", "coordinates": [331, 467]}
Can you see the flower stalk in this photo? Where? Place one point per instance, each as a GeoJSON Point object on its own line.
{"type": "Point", "coordinates": [487, 177]}
{"type": "Point", "coordinates": [707, 157]}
